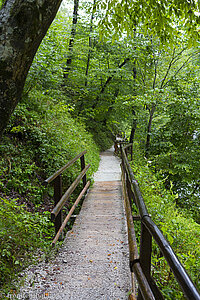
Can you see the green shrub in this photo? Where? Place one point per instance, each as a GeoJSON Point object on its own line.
{"type": "Point", "coordinates": [21, 234]}
{"type": "Point", "coordinates": [181, 231]}
{"type": "Point", "coordinates": [40, 138]}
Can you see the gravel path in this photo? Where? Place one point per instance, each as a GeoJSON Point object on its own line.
{"type": "Point", "coordinates": [93, 261]}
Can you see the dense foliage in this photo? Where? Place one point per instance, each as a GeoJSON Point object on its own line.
{"type": "Point", "coordinates": [24, 236]}
{"type": "Point", "coordinates": [40, 138]}
{"type": "Point", "coordinates": [175, 225]}
{"type": "Point", "coordinates": [164, 19]}
{"type": "Point", "coordinates": [133, 86]}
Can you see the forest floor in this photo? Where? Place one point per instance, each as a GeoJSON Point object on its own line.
{"type": "Point", "coordinates": [93, 261]}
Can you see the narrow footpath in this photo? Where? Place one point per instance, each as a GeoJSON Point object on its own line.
{"type": "Point", "coordinates": [93, 262]}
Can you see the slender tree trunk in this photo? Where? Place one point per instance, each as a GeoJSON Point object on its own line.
{"type": "Point", "coordinates": [90, 44]}
{"type": "Point", "coordinates": [71, 41]}
{"type": "Point", "coordinates": [134, 123]}
{"type": "Point", "coordinates": [23, 24]}
{"type": "Point", "coordinates": [147, 148]}
{"type": "Point", "coordinates": [133, 129]}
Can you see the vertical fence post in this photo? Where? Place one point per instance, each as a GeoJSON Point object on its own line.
{"type": "Point", "coordinates": [145, 254]}
{"type": "Point", "coordinates": [145, 262]}
{"type": "Point", "coordinates": [84, 179]}
{"type": "Point", "coordinates": [57, 196]}
{"type": "Point", "coordinates": [129, 191]}
{"type": "Point", "coordinates": [115, 147]}
{"type": "Point", "coordinates": [145, 250]}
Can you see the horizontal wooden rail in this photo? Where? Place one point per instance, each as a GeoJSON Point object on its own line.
{"type": "Point", "coordinates": [67, 194]}
{"type": "Point", "coordinates": [61, 170]}
{"type": "Point", "coordinates": [127, 146]}
{"type": "Point", "coordinates": [59, 198]}
{"type": "Point", "coordinates": [180, 273]}
{"type": "Point", "coordinates": [149, 230]}
{"type": "Point", "coordinates": [135, 187]}
{"type": "Point", "coordinates": [70, 213]}
{"type": "Point", "coordinates": [133, 251]}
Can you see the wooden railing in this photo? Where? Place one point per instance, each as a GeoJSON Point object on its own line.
{"type": "Point", "coordinates": [140, 265]}
{"type": "Point", "coordinates": [60, 199]}
{"type": "Point", "coordinates": [119, 144]}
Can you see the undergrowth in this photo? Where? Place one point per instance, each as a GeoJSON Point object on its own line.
{"type": "Point", "coordinates": [180, 230]}
{"type": "Point", "coordinates": [40, 138]}
{"type": "Point", "coordinates": [24, 236]}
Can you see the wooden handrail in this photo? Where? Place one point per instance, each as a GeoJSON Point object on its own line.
{"type": "Point", "coordinates": [61, 170]}
{"type": "Point", "coordinates": [133, 251]}
{"type": "Point", "coordinates": [60, 199]}
{"type": "Point", "coordinates": [67, 194]}
{"type": "Point", "coordinates": [134, 186]}
{"type": "Point", "coordinates": [125, 147]}
{"type": "Point", "coordinates": [70, 213]}
{"type": "Point", "coordinates": [148, 230]}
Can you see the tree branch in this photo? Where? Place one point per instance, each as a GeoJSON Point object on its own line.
{"type": "Point", "coordinates": [168, 69]}
{"type": "Point", "coordinates": [183, 65]}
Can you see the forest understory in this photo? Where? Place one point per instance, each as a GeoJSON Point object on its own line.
{"type": "Point", "coordinates": [83, 89]}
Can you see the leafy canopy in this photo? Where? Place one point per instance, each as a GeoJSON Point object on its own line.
{"type": "Point", "coordinates": [166, 19]}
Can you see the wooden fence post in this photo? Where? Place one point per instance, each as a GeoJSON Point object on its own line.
{"type": "Point", "coordinates": [84, 179]}
{"type": "Point", "coordinates": [57, 197]}
{"type": "Point", "coordinates": [145, 262]}
{"type": "Point", "coordinates": [145, 250]}
{"type": "Point", "coordinates": [129, 191]}
{"type": "Point", "coordinates": [145, 254]}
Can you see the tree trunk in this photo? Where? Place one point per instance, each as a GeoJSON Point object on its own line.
{"type": "Point", "coordinates": [23, 24]}
{"type": "Point", "coordinates": [134, 123]}
{"type": "Point", "coordinates": [72, 38]}
{"type": "Point", "coordinates": [153, 108]}
{"type": "Point", "coordinates": [90, 44]}
{"type": "Point", "coordinates": [133, 129]}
